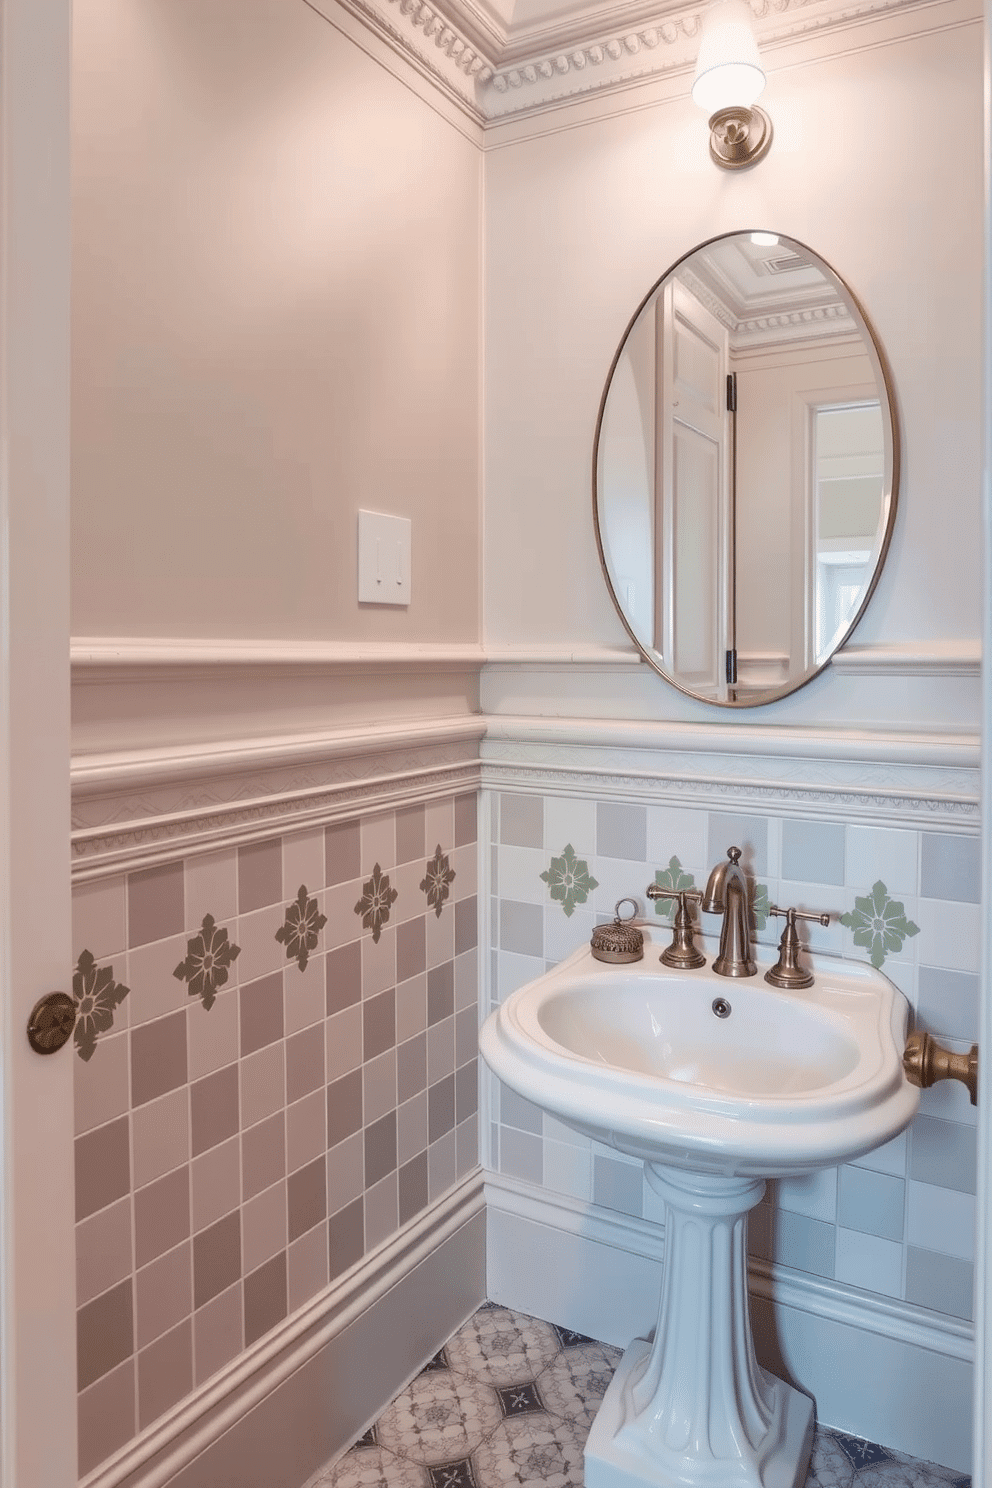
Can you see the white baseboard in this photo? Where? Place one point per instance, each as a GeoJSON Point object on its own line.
{"type": "Point", "coordinates": [877, 1368]}
{"type": "Point", "coordinates": [304, 1392]}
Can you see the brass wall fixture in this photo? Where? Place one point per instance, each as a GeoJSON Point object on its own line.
{"type": "Point", "coordinates": [682, 952]}
{"type": "Point", "coordinates": [787, 971]}
{"type": "Point", "coordinates": [925, 1062]}
{"type": "Point", "coordinates": [729, 77]}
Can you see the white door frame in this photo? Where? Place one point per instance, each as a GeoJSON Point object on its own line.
{"type": "Point", "coordinates": [37, 1262]}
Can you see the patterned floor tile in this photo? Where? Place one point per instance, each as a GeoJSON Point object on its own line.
{"type": "Point", "coordinates": [860, 1453]}
{"type": "Point", "coordinates": [829, 1467]}
{"type": "Point", "coordinates": [573, 1385]}
{"type": "Point", "coordinates": [502, 1347]}
{"type": "Point", "coordinates": [532, 1450]}
{"type": "Point", "coordinates": [453, 1475]}
{"type": "Point", "coordinates": [440, 1418]}
{"type": "Point", "coordinates": [373, 1467]}
{"type": "Point", "coordinates": [903, 1474]}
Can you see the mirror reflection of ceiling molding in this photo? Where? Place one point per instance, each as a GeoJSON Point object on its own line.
{"type": "Point", "coordinates": [766, 295]}
{"type": "Point", "coordinates": [497, 59]}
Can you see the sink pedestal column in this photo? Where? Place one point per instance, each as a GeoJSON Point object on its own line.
{"type": "Point", "coordinates": [694, 1407]}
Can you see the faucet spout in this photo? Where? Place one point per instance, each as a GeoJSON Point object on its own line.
{"type": "Point", "coordinates": [726, 893]}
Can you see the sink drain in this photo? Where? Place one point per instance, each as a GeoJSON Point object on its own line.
{"type": "Point", "coordinates": [722, 1007]}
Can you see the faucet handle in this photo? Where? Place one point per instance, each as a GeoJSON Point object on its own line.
{"type": "Point", "coordinates": [787, 972]}
{"type": "Point", "coordinates": [682, 952]}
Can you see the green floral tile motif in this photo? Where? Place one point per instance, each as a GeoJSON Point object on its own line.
{"type": "Point", "coordinates": [97, 997]}
{"type": "Point", "coordinates": [208, 960]}
{"type": "Point", "coordinates": [673, 877]}
{"type": "Point", "coordinates": [376, 899]}
{"type": "Point", "coordinates": [569, 880]}
{"type": "Point", "coordinates": [879, 923]}
{"type": "Point", "coordinates": [759, 906]}
{"type": "Point", "coordinates": [437, 883]}
{"type": "Point", "coordinates": [301, 928]}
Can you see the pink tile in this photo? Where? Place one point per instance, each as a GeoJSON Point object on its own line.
{"type": "Point", "coordinates": [467, 980]}
{"type": "Point", "coordinates": [343, 1036]}
{"type": "Point", "coordinates": [304, 1001]}
{"type": "Point", "coordinates": [106, 1416]}
{"type": "Point", "coordinates": [265, 1298]}
{"type": "Point", "coordinates": [98, 918]}
{"type": "Point", "coordinates": [103, 1166]}
{"type": "Point", "coordinates": [306, 1197]}
{"type": "Point", "coordinates": [263, 1084]}
{"type": "Point", "coordinates": [304, 1062]}
{"type": "Point", "coordinates": [264, 1231]}
{"type": "Point", "coordinates": [379, 1086]}
{"type": "Point", "coordinates": [164, 1293]}
{"type": "Point", "coordinates": [411, 900]}
{"type": "Point", "coordinates": [411, 1128]}
{"type": "Point", "coordinates": [165, 1373]}
{"type": "Point", "coordinates": [411, 1007]}
{"type": "Point", "coordinates": [104, 1333]}
{"type": "Point", "coordinates": [155, 990]}
{"type": "Point", "coordinates": [307, 1266]}
{"type": "Point", "coordinates": [343, 854]}
{"type": "Point", "coordinates": [378, 842]}
{"type": "Point", "coordinates": [160, 1136]}
{"type": "Point", "coordinates": [441, 1165]}
{"type": "Point", "coordinates": [466, 818]}
{"type": "Point", "coordinates": [103, 1250]}
{"type": "Point", "coordinates": [439, 825]}
{"type": "Point", "coordinates": [216, 1183]}
{"type": "Point", "coordinates": [263, 1155]}
{"type": "Point", "coordinates": [303, 860]}
{"type": "Point", "coordinates": [467, 1146]}
{"type": "Point", "coordinates": [217, 1333]}
{"type": "Point", "coordinates": [102, 1085]}
{"type": "Point", "coordinates": [465, 862]}
{"type": "Point", "coordinates": [216, 1258]}
{"type": "Point", "coordinates": [212, 888]}
{"type": "Point", "coordinates": [378, 961]}
{"type": "Point", "coordinates": [346, 1172]}
{"type": "Point", "coordinates": [338, 904]}
{"type": "Point", "coordinates": [212, 1033]}
{"type": "Point", "coordinates": [410, 834]}
{"type": "Point", "coordinates": [260, 875]}
{"type": "Point", "coordinates": [440, 1050]}
{"type": "Point", "coordinates": [343, 977]}
{"type": "Point", "coordinates": [161, 1216]}
{"type": "Point", "coordinates": [155, 904]}
{"type": "Point", "coordinates": [214, 1108]}
{"type": "Point", "coordinates": [261, 1012]}
{"type": "Point", "coordinates": [261, 954]}
{"type": "Point", "coordinates": [441, 937]}
{"type": "Point", "coordinates": [381, 1211]}
{"type": "Point", "coordinates": [158, 1058]}
{"type": "Point", "coordinates": [306, 1130]}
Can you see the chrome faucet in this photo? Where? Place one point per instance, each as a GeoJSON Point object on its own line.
{"type": "Point", "coordinates": [726, 893]}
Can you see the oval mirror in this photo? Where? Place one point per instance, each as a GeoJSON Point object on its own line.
{"type": "Point", "coordinates": [745, 469]}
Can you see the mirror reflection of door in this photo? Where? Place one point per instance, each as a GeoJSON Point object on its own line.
{"type": "Point", "coordinates": [847, 449]}
{"type": "Point", "coordinates": [692, 537]}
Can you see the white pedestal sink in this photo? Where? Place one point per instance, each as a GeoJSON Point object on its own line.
{"type": "Point", "coordinates": [652, 1062]}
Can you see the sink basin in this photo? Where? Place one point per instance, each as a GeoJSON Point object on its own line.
{"type": "Point", "coordinates": [716, 1083]}
{"type": "Point", "coordinates": [636, 1057]}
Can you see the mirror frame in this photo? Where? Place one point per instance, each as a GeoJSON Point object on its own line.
{"type": "Point", "coordinates": [890, 495]}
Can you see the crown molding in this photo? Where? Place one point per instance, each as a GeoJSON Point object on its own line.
{"type": "Point", "coordinates": [494, 70]}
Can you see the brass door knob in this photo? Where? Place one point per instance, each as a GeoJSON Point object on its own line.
{"type": "Point", "coordinates": [925, 1062]}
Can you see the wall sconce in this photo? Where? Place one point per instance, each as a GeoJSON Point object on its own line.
{"type": "Point", "coordinates": [729, 77]}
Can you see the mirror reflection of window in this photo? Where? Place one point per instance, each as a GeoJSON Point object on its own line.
{"type": "Point", "coordinates": [848, 481]}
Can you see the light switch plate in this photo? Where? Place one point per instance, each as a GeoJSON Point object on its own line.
{"type": "Point", "coordinates": [384, 554]}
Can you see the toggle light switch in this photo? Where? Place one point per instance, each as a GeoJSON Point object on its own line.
{"type": "Point", "coordinates": [384, 555]}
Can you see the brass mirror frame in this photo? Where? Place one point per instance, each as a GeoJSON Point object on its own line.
{"type": "Point", "coordinates": [883, 374]}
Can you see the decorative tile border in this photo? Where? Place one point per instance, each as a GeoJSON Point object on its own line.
{"type": "Point", "coordinates": [879, 923]}
{"type": "Point", "coordinates": [300, 931]}
{"type": "Point", "coordinates": [569, 880]}
{"type": "Point", "coordinates": [437, 881]}
{"type": "Point", "coordinates": [209, 957]}
{"type": "Point", "coordinates": [97, 998]}
{"type": "Point", "coordinates": [377, 898]}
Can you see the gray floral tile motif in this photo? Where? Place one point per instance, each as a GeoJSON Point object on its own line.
{"type": "Point", "coordinates": [573, 1385]}
{"type": "Point", "coordinates": [375, 902]}
{"type": "Point", "coordinates": [438, 880]}
{"type": "Point", "coordinates": [829, 1467]}
{"type": "Point", "coordinates": [569, 880]}
{"type": "Point", "coordinates": [879, 923]}
{"type": "Point", "coordinates": [438, 1419]}
{"type": "Point", "coordinates": [301, 928]}
{"type": "Point", "coordinates": [673, 877]}
{"type": "Point", "coordinates": [502, 1347]}
{"type": "Point", "coordinates": [532, 1449]}
{"type": "Point", "coordinates": [860, 1453]}
{"type": "Point", "coordinates": [519, 1400]}
{"type": "Point", "coordinates": [453, 1475]}
{"type": "Point", "coordinates": [372, 1467]}
{"type": "Point", "coordinates": [208, 960]}
{"type": "Point", "coordinates": [97, 996]}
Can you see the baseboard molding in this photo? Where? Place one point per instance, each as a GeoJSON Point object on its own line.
{"type": "Point", "coordinates": [305, 1391]}
{"type": "Point", "coordinates": [877, 1368]}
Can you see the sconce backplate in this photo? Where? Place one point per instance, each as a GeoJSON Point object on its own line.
{"type": "Point", "coordinates": [739, 137]}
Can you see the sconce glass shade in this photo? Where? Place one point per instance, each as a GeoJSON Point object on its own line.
{"type": "Point", "coordinates": [728, 70]}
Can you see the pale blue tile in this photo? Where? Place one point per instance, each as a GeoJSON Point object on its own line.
{"type": "Point", "coordinates": [948, 1002]}
{"type": "Point", "coordinates": [621, 831]}
{"type": "Point", "coordinates": [885, 853]}
{"type": "Point", "coordinates": [521, 928]}
{"type": "Point", "coordinates": [521, 820]}
{"type": "Point", "coordinates": [802, 1243]}
{"type": "Point", "coordinates": [749, 833]}
{"type": "Point", "coordinates": [950, 867]}
{"type": "Point", "coordinates": [871, 1202]}
{"type": "Point", "coordinates": [944, 1153]}
{"type": "Point", "coordinates": [516, 1111]}
{"type": "Point", "coordinates": [813, 852]}
{"type": "Point", "coordinates": [941, 1219]}
{"type": "Point", "coordinates": [941, 1282]}
{"type": "Point", "coordinates": [869, 1262]}
{"type": "Point", "coordinates": [812, 1194]}
{"type": "Point", "coordinates": [521, 1155]}
{"type": "Point", "coordinates": [617, 1185]}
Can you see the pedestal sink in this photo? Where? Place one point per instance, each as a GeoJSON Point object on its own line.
{"type": "Point", "coordinates": [716, 1084]}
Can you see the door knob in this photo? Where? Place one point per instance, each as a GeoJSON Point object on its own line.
{"type": "Point", "coordinates": [926, 1062]}
{"type": "Point", "coordinates": [51, 1022]}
